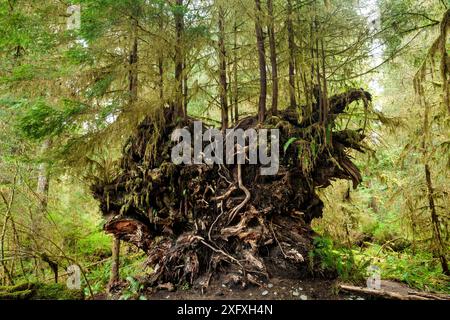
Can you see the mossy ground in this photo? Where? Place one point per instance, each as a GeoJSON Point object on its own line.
{"type": "Point", "coordinates": [39, 291]}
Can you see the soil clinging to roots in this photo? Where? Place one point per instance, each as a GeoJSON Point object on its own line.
{"type": "Point", "coordinates": [198, 221]}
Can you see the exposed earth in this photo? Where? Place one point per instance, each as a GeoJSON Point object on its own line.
{"type": "Point", "coordinates": [277, 289]}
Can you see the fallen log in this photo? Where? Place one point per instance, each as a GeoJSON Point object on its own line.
{"type": "Point", "coordinates": [39, 291]}
{"type": "Point", "coordinates": [386, 294]}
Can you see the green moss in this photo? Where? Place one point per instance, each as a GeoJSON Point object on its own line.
{"type": "Point", "coordinates": [39, 291]}
{"type": "Point", "coordinates": [16, 295]}
{"type": "Point", "coordinates": [56, 291]}
{"type": "Point", "coordinates": [15, 288]}
{"type": "Point", "coordinates": [95, 245]}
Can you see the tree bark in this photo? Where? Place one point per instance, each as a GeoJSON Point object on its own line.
{"type": "Point", "coordinates": [161, 62]}
{"type": "Point", "coordinates": [392, 295]}
{"type": "Point", "coordinates": [273, 58]}
{"type": "Point", "coordinates": [41, 190]}
{"type": "Point", "coordinates": [133, 60]}
{"type": "Point", "coordinates": [7, 217]}
{"type": "Point", "coordinates": [291, 47]}
{"type": "Point", "coordinates": [262, 63]}
{"type": "Point", "coordinates": [325, 103]}
{"type": "Point", "coordinates": [223, 70]}
{"type": "Point", "coordinates": [435, 222]}
{"type": "Point", "coordinates": [185, 88]}
{"type": "Point", "coordinates": [235, 73]}
{"type": "Point", "coordinates": [114, 277]}
{"type": "Point", "coordinates": [161, 79]}
{"type": "Point", "coordinates": [440, 252]}
{"type": "Point", "coordinates": [179, 58]}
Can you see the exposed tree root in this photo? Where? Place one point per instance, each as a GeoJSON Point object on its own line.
{"type": "Point", "coordinates": [194, 221]}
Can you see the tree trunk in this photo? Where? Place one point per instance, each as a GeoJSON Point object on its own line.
{"type": "Point", "coordinates": [440, 252]}
{"type": "Point", "coordinates": [133, 78]}
{"type": "Point", "coordinates": [161, 64]}
{"type": "Point", "coordinates": [262, 63]}
{"type": "Point", "coordinates": [325, 88]}
{"type": "Point", "coordinates": [235, 74]}
{"type": "Point", "coordinates": [291, 47]}
{"type": "Point", "coordinates": [273, 58]}
{"type": "Point", "coordinates": [7, 217]}
{"type": "Point", "coordinates": [115, 262]}
{"type": "Point", "coordinates": [222, 70]}
{"type": "Point", "coordinates": [435, 222]}
{"type": "Point", "coordinates": [133, 60]}
{"type": "Point", "coordinates": [179, 58]}
{"type": "Point", "coordinates": [161, 80]}
{"type": "Point", "coordinates": [185, 88]}
{"type": "Point", "coordinates": [42, 189]}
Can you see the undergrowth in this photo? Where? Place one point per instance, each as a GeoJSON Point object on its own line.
{"type": "Point", "coordinates": [418, 270]}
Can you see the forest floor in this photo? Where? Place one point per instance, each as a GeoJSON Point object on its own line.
{"type": "Point", "coordinates": [277, 289]}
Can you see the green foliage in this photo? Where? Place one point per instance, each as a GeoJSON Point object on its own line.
{"type": "Point", "coordinates": [133, 291]}
{"type": "Point", "coordinates": [94, 246]}
{"type": "Point", "coordinates": [420, 270]}
{"type": "Point", "coordinates": [98, 277]}
{"type": "Point", "coordinates": [130, 266]}
{"type": "Point", "coordinates": [56, 291]}
{"type": "Point", "coordinates": [38, 120]}
{"type": "Point", "coordinates": [99, 88]}
{"type": "Point", "coordinates": [288, 143]}
{"type": "Point", "coordinates": [417, 269]}
{"type": "Point", "coordinates": [340, 261]}
{"type": "Point", "coordinates": [79, 55]}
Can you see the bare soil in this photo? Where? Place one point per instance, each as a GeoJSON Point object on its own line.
{"type": "Point", "coordinates": [276, 289]}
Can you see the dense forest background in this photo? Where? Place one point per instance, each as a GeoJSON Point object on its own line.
{"type": "Point", "coordinates": [71, 96]}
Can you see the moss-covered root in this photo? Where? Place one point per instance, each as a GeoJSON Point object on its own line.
{"type": "Point", "coordinates": [16, 295]}
{"type": "Point", "coordinates": [39, 291]}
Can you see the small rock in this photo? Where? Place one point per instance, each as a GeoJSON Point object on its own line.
{"type": "Point", "coordinates": [265, 293]}
{"type": "Point", "coordinates": [167, 297]}
{"type": "Point", "coordinates": [275, 293]}
{"type": "Point", "coordinates": [283, 288]}
{"type": "Point", "coordinates": [303, 297]}
{"type": "Point", "coordinates": [223, 285]}
{"type": "Point", "coordinates": [301, 289]}
{"type": "Point", "coordinates": [295, 293]}
{"type": "Point", "coordinates": [270, 285]}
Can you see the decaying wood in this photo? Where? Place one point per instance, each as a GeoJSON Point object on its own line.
{"type": "Point", "coordinates": [197, 220]}
{"type": "Point", "coordinates": [385, 294]}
